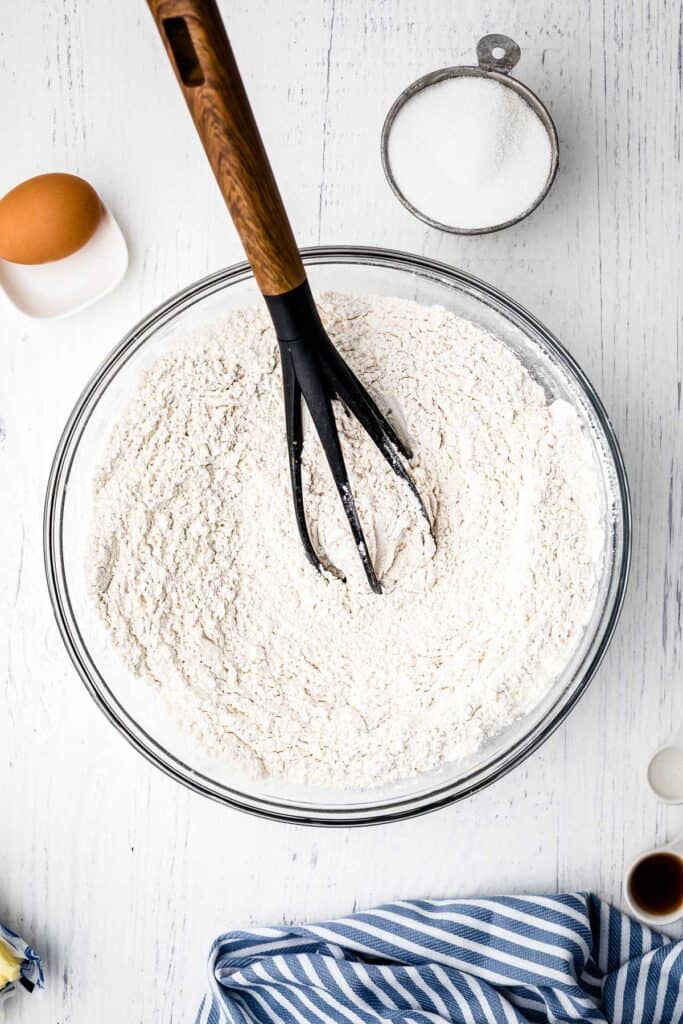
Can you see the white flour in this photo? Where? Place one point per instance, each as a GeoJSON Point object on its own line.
{"type": "Point", "coordinates": [197, 570]}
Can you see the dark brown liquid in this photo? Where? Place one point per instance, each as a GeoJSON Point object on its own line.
{"type": "Point", "coordinates": [657, 884]}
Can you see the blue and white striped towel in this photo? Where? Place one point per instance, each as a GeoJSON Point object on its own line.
{"type": "Point", "coordinates": [507, 960]}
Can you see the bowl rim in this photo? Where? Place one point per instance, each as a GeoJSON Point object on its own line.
{"type": "Point", "coordinates": [385, 809]}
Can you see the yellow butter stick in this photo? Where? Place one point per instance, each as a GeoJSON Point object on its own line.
{"type": "Point", "coordinates": [10, 965]}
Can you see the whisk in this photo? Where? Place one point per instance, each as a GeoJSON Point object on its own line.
{"type": "Point", "coordinates": [312, 368]}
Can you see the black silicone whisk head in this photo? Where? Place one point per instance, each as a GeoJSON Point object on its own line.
{"type": "Point", "coordinates": [313, 370]}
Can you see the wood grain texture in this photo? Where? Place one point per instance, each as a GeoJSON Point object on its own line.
{"type": "Point", "coordinates": [201, 56]}
{"type": "Point", "coordinates": [121, 877]}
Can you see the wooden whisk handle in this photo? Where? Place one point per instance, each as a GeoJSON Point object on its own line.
{"type": "Point", "coordinates": [197, 46]}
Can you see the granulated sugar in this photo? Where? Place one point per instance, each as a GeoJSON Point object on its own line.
{"type": "Point", "coordinates": [469, 152]}
{"type": "Point", "coordinates": [198, 572]}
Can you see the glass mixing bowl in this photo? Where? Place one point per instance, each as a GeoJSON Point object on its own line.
{"type": "Point", "coordinates": [132, 705]}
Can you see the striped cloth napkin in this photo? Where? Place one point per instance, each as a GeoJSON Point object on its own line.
{"type": "Point", "coordinates": [507, 960]}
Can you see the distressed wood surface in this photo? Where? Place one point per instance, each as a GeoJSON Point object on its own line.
{"type": "Point", "coordinates": [121, 877]}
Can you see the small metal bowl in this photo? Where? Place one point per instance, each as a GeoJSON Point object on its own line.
{"type": "Point", "coordinates": [497, 56]}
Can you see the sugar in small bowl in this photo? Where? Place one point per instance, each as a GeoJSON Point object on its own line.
{"type": "Point", "coordinates": [469, 149]}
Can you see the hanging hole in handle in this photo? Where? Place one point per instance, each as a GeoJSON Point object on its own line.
{"type": "Point", "coordinates": [184, 53]}
{"type": "Point", "coordinates": [498, 53]}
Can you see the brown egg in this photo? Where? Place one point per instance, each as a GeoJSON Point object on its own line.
{"type": "Point", "coordinates": [47, 218]}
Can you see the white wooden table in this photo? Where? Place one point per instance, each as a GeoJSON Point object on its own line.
{"type": "Point", "coordinates": [121, 877]}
